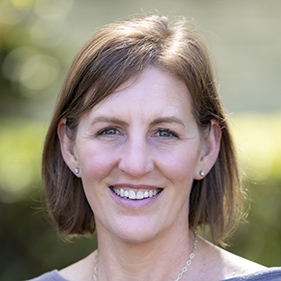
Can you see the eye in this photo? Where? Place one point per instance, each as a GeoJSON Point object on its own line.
{"type": "Point", "coordinates": [108, 131]}
{"type": "Point", "coordinates": [166, 133]}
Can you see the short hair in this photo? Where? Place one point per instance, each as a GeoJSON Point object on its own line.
{"type": "Point", "coordinates": [120, 51]}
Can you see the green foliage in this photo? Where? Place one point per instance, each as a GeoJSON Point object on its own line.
{"type": "Point", "coordinates": [33, 53]}
{"type": "Point", "coordinates": [21, 148]}
{"type": "Point", "coordinates": [30, 245]}
{"type": "Point", "coordinates": [260, 238]}
{"type": "Point", "coordinates": [258, 139]}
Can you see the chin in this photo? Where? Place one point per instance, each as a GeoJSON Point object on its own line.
{"type": "Point", "coordinates": [135, 230]}
{"type": "Point", "coordinates": [136, 237]}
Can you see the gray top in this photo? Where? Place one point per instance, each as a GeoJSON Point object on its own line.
{"type": "Point", "coordinates": [269, 274]}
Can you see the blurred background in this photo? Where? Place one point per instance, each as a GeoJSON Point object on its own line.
{"type": "Point", "coordinates": [38, 40]}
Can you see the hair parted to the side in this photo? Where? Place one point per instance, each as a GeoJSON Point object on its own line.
{"type": "Point", "coordinates": [113, 55]}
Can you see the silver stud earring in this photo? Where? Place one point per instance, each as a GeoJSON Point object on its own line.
{"type": "Point", "coordinates": [202, 173]}
{"type": "Point", "coordinates": [77, 170]}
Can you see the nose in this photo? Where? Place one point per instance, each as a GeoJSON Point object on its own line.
{"type": "Point", "coordinates": [137, 158]}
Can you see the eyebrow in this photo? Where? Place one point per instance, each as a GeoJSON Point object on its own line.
{"type": "Point", "coordinates": [105, 119]}
{"type": "Point", "coordinates": [171, 119]}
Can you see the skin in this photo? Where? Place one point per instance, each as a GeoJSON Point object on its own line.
{"type": "Point", "coordinates": [143, 137]}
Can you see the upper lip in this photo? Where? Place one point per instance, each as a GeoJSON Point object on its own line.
{"type": "Point", "coordinates": [136, 186]}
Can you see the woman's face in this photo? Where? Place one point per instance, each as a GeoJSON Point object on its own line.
{"type": "Point", "coordinates": [139, 151]}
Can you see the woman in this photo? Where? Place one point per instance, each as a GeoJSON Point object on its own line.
{"type": "Point", "coordinates": [139, 150]}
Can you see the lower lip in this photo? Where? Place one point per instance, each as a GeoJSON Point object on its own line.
{"type": "Point", "coordinates": [135, 203]}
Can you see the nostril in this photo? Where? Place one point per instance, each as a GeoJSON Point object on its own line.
{"type": "Point", "coordinates": [136, 162]}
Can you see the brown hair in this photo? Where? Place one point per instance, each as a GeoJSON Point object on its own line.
{"type": "Point", "coordinates": [113, 55]}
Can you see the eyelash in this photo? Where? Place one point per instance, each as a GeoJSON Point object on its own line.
{"type": "Point", "coordinates": [169, 133]}
{"type": "Point", "coordinates": [104, 131]}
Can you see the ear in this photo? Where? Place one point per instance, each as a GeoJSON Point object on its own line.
{"type": "Point", "coordinates": [67, 146]}
{"type": "Point", "coordinates": [210, 150]}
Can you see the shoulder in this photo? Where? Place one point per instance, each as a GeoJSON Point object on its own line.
{"type": "Point", "coordinates": [237, 266]}
{"type": "Point", "coordinates": [220, 264]}
{"type": "Point", "coordinates": [268, 274]}
{"type": "Point", "coordinates": [49, 276]}
{"type": "Point", "coordinates": [81, 270]}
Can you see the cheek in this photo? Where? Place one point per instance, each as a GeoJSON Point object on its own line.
{"type": "Point", "coordinates": [95, 163]}
{"type": "Point", "coordinates": [180, 166]}
{"type": "Point", "coordinates": [96, 166]}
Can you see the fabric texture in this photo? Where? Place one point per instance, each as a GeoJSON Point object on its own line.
{"type": "Point", "coordinates": [49, 276]}
{"type": "Point", "coordinates": [269, 274]}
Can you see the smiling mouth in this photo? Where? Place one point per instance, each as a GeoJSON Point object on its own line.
{"type": "Point", "coordinates": [130, 194]}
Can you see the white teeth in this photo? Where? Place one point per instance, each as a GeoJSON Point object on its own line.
{"type": "Point", "coordinates": [126, 193]}
{"type": "Point", "coordinates": [121, 192]}
{"type": "Point", "coordinates": [140, 195]}
{"type": "Point", "coordinates": [131, 194]}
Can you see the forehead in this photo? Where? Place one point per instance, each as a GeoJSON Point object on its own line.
{"type": "Point", "coordinates": [152, 89]}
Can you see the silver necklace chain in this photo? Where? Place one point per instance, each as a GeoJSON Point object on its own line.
{"type": "Point", "coordinates": [96, 267]}
{"type": "Point", "coordinates": [189, 261]}
{"type": "Point", "coordinates": [184, 269]}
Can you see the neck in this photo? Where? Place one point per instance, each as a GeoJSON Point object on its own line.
{"type": "Point", "coordinates": [161, 258]}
